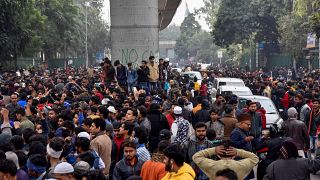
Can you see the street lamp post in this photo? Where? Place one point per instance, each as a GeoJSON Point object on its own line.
{"type": "Point", "coordinates": [87, 4]}
{"type": "Point", "coordinates": [319, 54]}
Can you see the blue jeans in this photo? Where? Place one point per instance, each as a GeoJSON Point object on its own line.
{"type": "Point", "coordinates": [153, 86]}
{"type": "Point", "coordinates": [144, 85]}
{"type": "Point", "coordinates": [130, 87]}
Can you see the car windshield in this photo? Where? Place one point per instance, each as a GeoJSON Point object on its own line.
{"type": "Point", "coordinates": [242, 93]}
{"type": "Point", "coordinates": [265, 103]}
{"type": "Point", "coordinates": [231, 84]}
{"type": "Point", "coordinates": [238, 93]}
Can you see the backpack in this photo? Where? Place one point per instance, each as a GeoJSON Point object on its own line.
{"type": "Point", "coordinates": [182, 133]}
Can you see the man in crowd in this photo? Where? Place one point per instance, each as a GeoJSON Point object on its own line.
{"type": "Point", "coordinates": [155, 168]}
{"type": "Point", "coordinates": [229, 121]}
{"type": "Point", "coordinates": [226, 155]}
{"type": "Point", "coordinates": [302, 108]}
{"type": "Point", "coordinates": [101, 143]}
{"type": "Point", "coordinates": [290, 166]}
{"type": "Point", "coordinates": [130, 165]}
{"type": "Point", "coordinates": [240, 135]}
{"type": "Point", "coordinates": [121, 74]}
{"type": "Point", "coordinates": [143, 73]}
{"type": "Point", "coordinates": [13, 106]}
{"type": "Point", "coordinates": [181, 129]}
{"type": "Point", "coordinates": [197, 143]}
{"type": "Point", "coordinates": [132, 77]}
{"type": "Point", "coordinates": [313, 122]}
{"type": "Point", "coordinates": [256, 123]}
{"type": "Point", "coordinates": [153, 73]}
{"type": "Point", "coordinates": [219, 103]}
{"type": "Point", "coordinates": [297, 130]}
{"type": "Point", "coordinates": [175, 165]}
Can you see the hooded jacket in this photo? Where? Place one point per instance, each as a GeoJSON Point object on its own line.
{"type": "Point", "coordinates": [184, 173]}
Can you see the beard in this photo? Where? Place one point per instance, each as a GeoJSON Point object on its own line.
{"type": "Point", "coordinates": [201, 138]}
{"type": "Point", "coordinates": [129, 158]}
{"type": "Point", "coordinates": [168, 167]}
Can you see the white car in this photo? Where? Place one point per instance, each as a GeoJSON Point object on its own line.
{"type": "Point", "coordinates": [272, 113]}
{"type": "Point", "coordinates": [179, 70]}
{"type": "Point", "coordinates": [193, 74]}
{"type": "Point", "coordinates": [237, 90]}
{"type": "Point", "coordinates": [225, 81]}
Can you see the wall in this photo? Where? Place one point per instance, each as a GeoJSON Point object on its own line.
{"type": "Point", "coordinates": [134, 30]}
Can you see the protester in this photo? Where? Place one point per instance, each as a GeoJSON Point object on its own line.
{"type": "Point", "coordinates": [181, 129]}
{"type": "Point", "coordinates": [216, 124]}
{"type": "Point", "coordinates": [226, 154]}
{"type": "Point", "coordinates": [313, 123]}
{"type": "Point", "coordinates": [101, 143]}
{"type": "Point", "coordinates": [297, 130]}
{"type": "Point", "coordinates": [130, 165]}
{"type": "Point", "coordinates": [229, 121]}
{"type": "Point", "coordinates": [197, 143]}
{"type": "Point", "coordinates": [175, 165]}
{"type": "Point", "coordinates": [84, 116]}
{"type": "Point", "coordinates": [154, 169]}
{"type": "Point", "coordinates": [269, 144]}
{"type": "Point", "coordinates": [290, 166]}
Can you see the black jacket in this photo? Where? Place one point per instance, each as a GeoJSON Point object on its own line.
{"type": "Point", "coordinates": [158, 122]}
{"type": "Point", "coordinates": [143, 74]}
{"type": "Point", "coordinates": [202, 115]}
{"type": "Point", "coordinates": [293, 168]}
{"type": "Point", "coordinates": [124, 170]}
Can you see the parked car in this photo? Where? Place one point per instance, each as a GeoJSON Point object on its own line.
{"type": "Point", "coordinates": [272, 113]}
{"type": "Point", "coordinates": [226, 81]}
{"type": "Point", "coordinates": [237, 90]}
{"type": "Point", "coordinates": [192, 74]}
{"type": "Point", "coordinates": [179, 70]}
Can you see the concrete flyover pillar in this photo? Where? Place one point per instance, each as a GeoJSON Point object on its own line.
{"type": "Point", "coordinates": [134, 30]}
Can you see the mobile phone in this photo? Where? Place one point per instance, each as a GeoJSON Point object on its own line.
{"type": "Point", "coordinates": [318, 137]}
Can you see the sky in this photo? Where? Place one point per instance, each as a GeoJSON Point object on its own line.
{"type": "Point", "coordinates": [178, 17]}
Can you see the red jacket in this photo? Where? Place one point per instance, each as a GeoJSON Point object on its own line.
{"type": "Point", "coordinates": [263, 118]}
{"type": "Point", "coordinates": [170, 119]}
{"type": "Point", "coordinates": [203, 90]}
{"type": "Point", "coordinates": [285, 100]}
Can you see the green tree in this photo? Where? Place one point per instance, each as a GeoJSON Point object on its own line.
{"type": "Point", "coordinates": [236, 21]}
{"type": "Point", "coordinates": [293, 32]}
{"type": "Point", "coordinates": [188, 29]}
{"type": "Point", "coordinates": [18, 22]}
{"type": "Point", "coordinates": [315, 18]}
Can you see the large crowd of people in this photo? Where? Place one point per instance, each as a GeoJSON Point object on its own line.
{"type": "Point", "coordinates": [148, 122]}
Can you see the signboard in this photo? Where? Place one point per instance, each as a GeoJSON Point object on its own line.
{"type": "Point", "coordinates": [219, 54]}
{"type": "Point", "coordinates": [311, 40]}
{"type": "Point", "coordinates": [99, 56]}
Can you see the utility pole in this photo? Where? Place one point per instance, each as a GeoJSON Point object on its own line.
{"type": "Point", "coordinates": [319, 53]}
{"type": "Point", "coordinates": [87, 4]}
{"type": "Point", "coordinates": [250, 60]}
